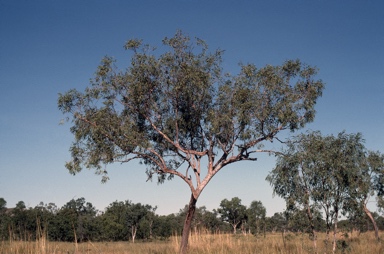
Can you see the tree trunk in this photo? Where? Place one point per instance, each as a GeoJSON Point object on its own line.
{"type": "Point", "coordinates": [335, 233]}
{"type": "Point", "coordinates": [313, 232]}
{"type": "Point", "coordinates": [133, 233]}
{"type": "Point", "coordinates": [150, 229]}
{"type": "Point", "coordinates": [373, 222]}
{"type": "Point", "coordinates": [74, 234]}
{"type": "Point", "coordinates": [187, 225]}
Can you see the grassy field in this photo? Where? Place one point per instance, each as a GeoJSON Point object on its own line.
{"type": "Point", "coordinates": [203, 243]}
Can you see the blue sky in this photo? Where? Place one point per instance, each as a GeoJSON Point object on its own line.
{"type": "Point", "coordinates": [49, 47]}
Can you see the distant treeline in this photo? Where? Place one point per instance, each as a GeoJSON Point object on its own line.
{"type": "Point", "coordinates": [79, 221]}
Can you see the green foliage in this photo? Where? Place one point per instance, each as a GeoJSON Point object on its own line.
{"type": "Point", "coordinates": [335, 173]}
{"type": "Point", "coordinates": [277, 223]}
{"type": "Point", "coordinates": [115, 223]}
{"type": "Point", "coordinates": [125, 220]}
{"type": "Point", "coordinates": [256, 214]}
{"type": "Point", "coordinates": [173, 109]}
{"type": "Point", "coordinates": [233, 212]}
{"type": "Point", "coordinates": [4, 219]}
{"type": "Point", "coordinates": [176, 110]}
{"type": "Point", "coordinates": [75, 220]}
{"type": "Point", "coordinates": [320, 169]}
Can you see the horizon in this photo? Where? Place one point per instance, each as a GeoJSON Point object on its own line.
{"type": "Point", "coordinates": [49, 47]}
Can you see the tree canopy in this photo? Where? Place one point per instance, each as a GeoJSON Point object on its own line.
{"type": "Point", "coordinates": [179, 110]}
{"type": "Point", "coordinates": [176, 108]}
{"type": "Point", "coordinates": [233, 212]}
{"type": "Point", "coordinates": [336, 173]}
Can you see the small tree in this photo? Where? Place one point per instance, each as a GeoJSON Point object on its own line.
{"type": "Point", "coordinates": [292, 178]}
{"type": "Point", "coordinates": [256, 216]}
{"type": "Point", "coordinates": [115, 221]}
{"type": "Point", "coordinates": [4, 220]}
{"type": "Point", "coordinates": [323, 170]}
{"type": "Point", "coordinates": [75, 220]}
{"type": "Point", "coordinates": [178, 113]}
{"type": "Point", "coordinates": [369, 182]}
{"type": "Point", "coordinates": [135, 215]}
{"type": "Point", "coordinates": [233, 212]}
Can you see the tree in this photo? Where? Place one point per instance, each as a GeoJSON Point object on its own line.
{"type": "Point", "coordinates": [233, 212]}
{"type": "Point", "coordinates": [278, 222]}
{"type": "Point", "coordinates": [125, 220]}
{"type": "Point", "coordinates": [179, 114]}
{"type": "Point", "coordinates": [369, 182]}
{"type": "Point", "coordinates": [323, 170]}
{"type": "Point", "coordinates": [75, 221]}
{"type": "Point", "coordinates": [19, 221]}
{"type": "Point", "coordinates": [211, 222]}
{"type": "Point", "coordinates": [135, 215]}
{"type": "Point", "coordinates": [44, 216]}
{"type": "Point", "coordinates": [256, 216]}
{"type": "Point", "coordinates": [4, 220]}
{"type": "Point", "coordinates": [3, 205]}
{"type": "Point", "coordinates": [292, 178]}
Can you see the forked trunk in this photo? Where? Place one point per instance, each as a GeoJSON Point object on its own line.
{"type": "Point", "coordinates": [133, 233]}
{"type": "Point", "coordinates": [373, 222]}
{"type": "Point", "coordinates": [187, 225]}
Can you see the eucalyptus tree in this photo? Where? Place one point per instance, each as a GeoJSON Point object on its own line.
{"type": "Point", "coordinates": [293, 176]}
{"type": "Point", "coordinates": [256, 216]}
{"type": "Point", "coordinates": [233, 212]}
{"type": "Point", "coordinates": [181, 115]}
{"type": "Point", "coordinates": [75, 220]}
{"type": "Point", "coordinates": [342, 157]}
{"type": "Point", "coordinates": [370, 182]}
{"type": "Point", "coordinates": [136, 214]}
{"type": "Point", "coordinates": [4, 220]}
{"type": "Point", "coordinates": [19, 218]}
{"type": "Point", "coordinates": [320, 170]}
{"type": "Point", "coordinates": [114, 221]}
{"type": "Point", "coordinates": [3, 205]}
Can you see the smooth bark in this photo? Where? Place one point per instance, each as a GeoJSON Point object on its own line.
{"type": "Point", "coordinates": [335, 232]}
{"type": "Point", "coordinates": [187, 225]}
{"type": "Point", "coordinates": [313, 232]}
{"type": "Point", "coordinates": [369, 214]}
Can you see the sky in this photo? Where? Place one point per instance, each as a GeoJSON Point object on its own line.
{"type": "Point", "coordinates": [49, 47]}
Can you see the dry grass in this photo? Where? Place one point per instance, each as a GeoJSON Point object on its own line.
{"type": "Point", "coordinates": [202, 243]}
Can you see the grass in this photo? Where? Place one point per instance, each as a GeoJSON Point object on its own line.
{"type": "Point", "coordinates": [203, 243]}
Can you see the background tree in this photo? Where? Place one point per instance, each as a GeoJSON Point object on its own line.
{"type": "Point", "coordinates": [136, 214]}
{"type": "Point", "coordinates": [19, 221]}
{"type": "Point", "coordinates": [75, 221]}
{"type": "Point", "coordinates": [177, 111]}
{"type": "Point", "coordinates": [212, 222]}
{"type": "Point", "coordinates": [369, 182]}
{"type": "Point", "coordinates": [166, 226]}
{"type": "Point", "coordinates": [146, 224]}
{"type": "Point", "coordinates": [4, 220]}
{"type": "Point", "coordinates": [256, 217]}
{"type": "Point", "coordinates": [277, 222]}
{"type": "Point", "coordinates": [44, 218]}
{"type": "Point", "coordinates": [114, 221]}
{"type": "Point", "coordinates": [293, 176]}
{"type": "Point", "coordinates": [342, 158]}
{"type": "Point", "coordinates": [233, 212]}
{"type": "Point", "coordinates": [321, 169]}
